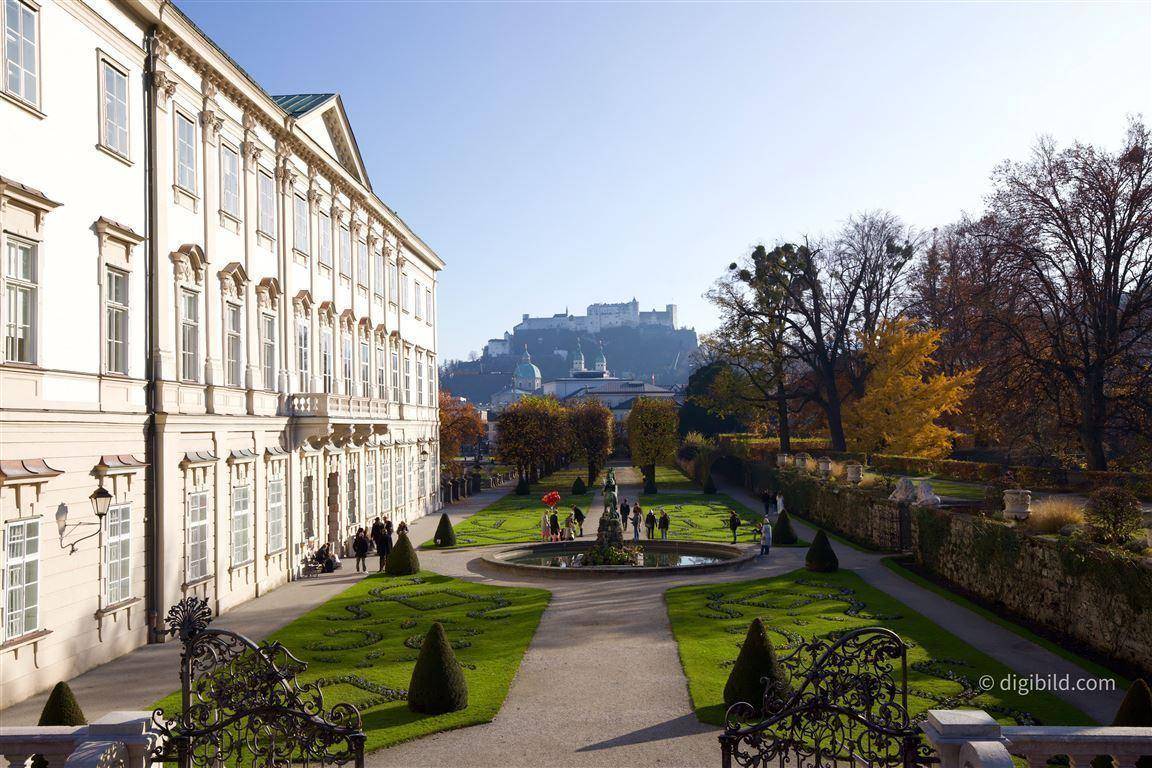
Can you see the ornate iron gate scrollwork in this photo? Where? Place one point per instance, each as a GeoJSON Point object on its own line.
{"type": "Point", "coordinates": [241, 704]}
{"type": "Point", "coordinates": [844, 706]}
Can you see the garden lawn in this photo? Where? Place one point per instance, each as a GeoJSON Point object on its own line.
{"type": "Point", "coordinates": [696, 517]}
{"type": "Point", "coordinates": [671, 478]}
{"type": "Point", "coordinates": [513, 519]}
{"type": "Point", "coordinates": [709, 623]}
{"type": "Point", "coordinates": [361, 646]}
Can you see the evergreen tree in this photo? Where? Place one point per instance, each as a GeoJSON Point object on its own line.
{"type": "Point", "coordinates": [578, 487]}
{"type": "Point", "coordinates": [782, 532]}
{"type": "Point", "coordinates": [438, 683]}
{"type": "Point", "coordinates": [445, 533]}
{"type": "Point", "coordinates": [402, 561]}
{"type": "Point", "coordinates": [820, 556]}
{"type": "Point", "coordinates": [61, 708]}
{"type": "Point", "coordinates": [756, 661]}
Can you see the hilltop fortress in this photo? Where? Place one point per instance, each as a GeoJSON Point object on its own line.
{"type": "Point", "coordinates": [600, 317]}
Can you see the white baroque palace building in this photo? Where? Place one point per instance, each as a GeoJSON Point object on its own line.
{"type": "Point", "coordinates": [208, 313]}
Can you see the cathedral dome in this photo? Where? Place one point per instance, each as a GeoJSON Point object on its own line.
{"type": "Point", "coordinates": [527, 375]}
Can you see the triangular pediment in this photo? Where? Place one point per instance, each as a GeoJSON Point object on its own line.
{"type": "Point", "coordinates": [323, 118]}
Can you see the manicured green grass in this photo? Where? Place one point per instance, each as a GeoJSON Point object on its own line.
{"type": "Point", "coordinates": [696, 517]}
{"type": "Point", "coordinates": [361, 646]}
{"type": "Point", "coordinates": [894, 565]}
{"type": "Point", "coordinates": [709, 622]}
{"type": "Point", "coordinates": [670, 478]}
{"type": "Point", "coordinates": [513, 519]}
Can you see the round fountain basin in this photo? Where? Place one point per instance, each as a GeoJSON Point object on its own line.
{"type": "Point", "coordinates": [660, 558]}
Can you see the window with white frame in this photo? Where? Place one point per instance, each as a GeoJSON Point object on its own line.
{"type": "Point", "coordinates": [21, 51]}
{"type": "Point", "coordinates": [385, 481]}
{"type": "Point", "coordinates": [268, 349]}
{"type": "Point", "coordinates": [398, 476]}
{"type": "Point", "coordinates": [369, 484]}
{"type": "Point", "coordinates": [350, 498]}
{"type": "Point", "coordinates": [345, 252]}
{"type": "Point", "coordinates": [116, 321]}
{"type": "Point", "coordinates": [395, 373]}
{"type": "Point", "coordinates": [241, 525]}
{"type": "Point", "coordinates": [118, 555]}
{"type": "Point", "coordinates": [381, 371]}
{"type": "Point", "coordinates": [362, 263]}
{"type": "Point", "coordinates": [275, 514]}
{"type": "Point", "coordinates": [233, 344]}
{"type": "Point", "coordinates": [417, 310]}
{"type": "Point", "coordinates": [21, 294]}
{"type": "Point", "coordinates": [406, 293]}
{"type": "Point", "coordinates": [266, 204]}
{"type": "Point", "coordinates": [22, 578]}
{"type": "Point", "coordinates": [230, 180]}
{"type": "Point", "coordinates": [346, 359]}
{"type": "Point", "coordinates": [410, 478]}
{"type": "Point", "coordinates": [113, 107]}
{"type": "Point", "coordinates": [199, 564]}
{"type": "Point", "coordinates": [185, 153]}
{"type": "Point", "coordinates": [428, 305]}
{"type": "Point", "coordinates": [365, 368]}
{"type": "Point", "coordinates": [326, 240]}
{"type": "Point", "coordinates": [378, 273]}
{"type": "Point", "coordinates": [420, 378]}
{"type": "Point", "coordinates": [408, 376]}
{"type": "Point", "coordinates": [301, 228]}
{"type": "Point", "coordinates": [394, 283]}
{"type": "Point", "coordinates": [421, 478]}
{"type": "Point", "coordinates": [432, 375]}
{"type": "Point", "coordinates": [189, 335]}
{"type": "Point", "coordinates": [326, 358]}
{"type": "Point", "coordinates": [304, 353]}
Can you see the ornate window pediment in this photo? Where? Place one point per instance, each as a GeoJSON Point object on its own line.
{"type": "Point", "coordinates": [23, 208]}
{"type": "Point", "coordinates": [233, 278]}
{"type": "Point", "coordinates": [189, 263]}
{"type": "Point", "coordinates": [327, 311]}
{"type": "Point", "coordinates": [347, 320]}
{"type": "Point", "coordinates": [116, 241]}
{"type": "Point", "coordinates": [268, 293]}
{"type": "Point", "coordinates": [302, 303]}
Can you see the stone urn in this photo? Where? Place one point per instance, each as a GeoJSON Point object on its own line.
{"type": "Point", "coordinates": [824, 464]}
{"type": "Point", "coordinates": [783, 460]}
{"type": "Point", "coordinates": [854, 472]}
{"type": "Point", "coordinates": [1017, 503]}
{"type": "Point", "coordinates": [802, 460]}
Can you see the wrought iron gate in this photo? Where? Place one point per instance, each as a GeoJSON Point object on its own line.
{"type": "Point", "coordinates": [845, 706]}
{"type": "Point", "coordinates": [241, 704]}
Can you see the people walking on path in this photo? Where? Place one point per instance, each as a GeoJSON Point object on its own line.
{"type": "Point", "coordinates": [664, 523]}
{"type": "Point", "coordinates": [567, 533]}
{"type": "Point", "coordinates": [578, 516]}
{"type": "Point", "coordinates": [360, 548]}
{"type": "Point", "coordinates": [650, 524]}
{"type": "Point", "coordinates": [769, 502]}
{"type": "Point", "coordinates": [733, 524]}
{"type": "Point", "coordinates": [377, 536]}
{"type": "Point", "coordinates": [554, 524]}
{"type": "Point", "coordinates": [636, 523]}
{"type": "Point", "coordinates": [545, 527]}
{"type": "Point", "coordinates": [766, 537]}
{"type": "Point", "coordinates": [624, 513]}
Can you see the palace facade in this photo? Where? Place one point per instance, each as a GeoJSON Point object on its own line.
{"type": "Point", "coordinates": [209, 314]}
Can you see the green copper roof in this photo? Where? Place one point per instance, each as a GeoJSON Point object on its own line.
{"type": "Point", "coordinates": [297, 104]}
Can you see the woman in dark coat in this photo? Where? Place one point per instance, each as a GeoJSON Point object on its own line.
{"type": "Point", "coordinates": [624, 513]}
{"type": "Point", "coordinates": [384, 545]}
{"type": "Point", "coordinates": [664, 523]}
{"type": "Point", "coordinates": [578, 516]}
{"type": "Point", "coordinates": [650, 524]}
{"type": "Point", "coordinates": [554, 524]}
{"type": "Point", "coordinates": [734, 524]}
{"type": "Point", "coordinates": [360, 548]}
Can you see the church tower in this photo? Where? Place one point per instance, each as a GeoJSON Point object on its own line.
{"type": "Point", "coordinates": [578, 360]}
{"type": "Point", "coordinates": [527, 375]}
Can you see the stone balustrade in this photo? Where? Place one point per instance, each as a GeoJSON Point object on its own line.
{"type": "Point", "coordinates": [973, 739]}
{"type": "Point", "coordinates": [117, 740]}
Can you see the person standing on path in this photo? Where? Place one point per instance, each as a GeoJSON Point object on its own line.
{"type": "Point", "coordinates": [545, 527]}
{"type": "Point", "coordinates": [769, 502]}
{"type": "Point", "coordinates": [733, 523]}
{"type": "Point", "coordinates": [665, 522]}
{"type": "Point", "coordinates": [766, 538]}
{"type": "Point", "coordinates": [650, 524]}
{"type": "Point", "coordinates": [554, 524]}
{"type": "Point", "coordinates": [377, 536]}
{"type": "Point", "coordinates": [578, 516]}
{"type": "Point", "coordinates": [624, 513]}
{"type": "Point", "coordinates": [360, 548]}
{"type": "Point", "coordinates": [636, 523]}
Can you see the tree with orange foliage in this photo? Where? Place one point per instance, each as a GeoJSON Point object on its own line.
{"type": "Point", "coordinates": [460, 424]}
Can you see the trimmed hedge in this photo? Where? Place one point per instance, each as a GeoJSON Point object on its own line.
{"type": "Point", "coordinates": [756, 661]}
{"type": "Point", "coordinates": [579, 488]}
{"type": "Point", "coordinates": [782, 531]}
{"type": "Point", "coordinates": [438, 683]}
{"type": "Point", "coordinates": [61, 708]}
{"type": "Point", "coordinates": [445, 534]}
{"type": "Point", "coordinates": [402, 561]}
{"type": "Point", "coordinates": [820, 557]}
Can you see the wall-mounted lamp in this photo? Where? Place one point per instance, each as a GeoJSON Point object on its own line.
{"type": "Point", "coordinates": [100, 499]}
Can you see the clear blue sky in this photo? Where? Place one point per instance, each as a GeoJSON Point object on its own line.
{"type": "Point", "coordinates": [556, 154]}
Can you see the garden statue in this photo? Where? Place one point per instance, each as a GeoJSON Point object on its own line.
{"type": "Point", "coordinates": [924, 495]}
{"type": "Point", "coordinates": [905, 492]}
{"type": "Point", "coordinates": [1017, 503]}
{"type": "Point", "coordinates": [610, 502]}
{"type": "Point", "coordinates": [854, 472]}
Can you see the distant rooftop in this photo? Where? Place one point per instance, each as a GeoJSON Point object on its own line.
{"type": "Point", "coordinates": [297, 104]}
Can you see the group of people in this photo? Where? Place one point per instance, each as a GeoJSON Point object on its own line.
{"type": "Point", "coordinates": [651, 522]}
{"type": "Point", "coordinates": [552, 530]}
{"type": "Point", "coordinates": [380, 537]}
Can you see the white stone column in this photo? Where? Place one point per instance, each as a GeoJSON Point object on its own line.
{"type": "Point", "coordinates": [164, 320]}
{"type": "Point", "coordinates": [210, 125]}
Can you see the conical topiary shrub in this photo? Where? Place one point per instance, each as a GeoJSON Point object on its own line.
{"type": "Point", "coordinates": [438, 683]}
{"type": "Point", "coordinates": [402, 560]}
{"type": "Point", "coordinates": [820, 556]}
{"type": "Point", "coordinates": [578, 487]}
{"type": "Point", "coordinates": [60, 709]}
{"type": "Point", "coordinates": [709, 485]}
{"type": "Point", "coordinates": [522, 487]}
{"type": "Point", "coordinates": [757, 660]}
{"type": "Point", "coordinates": [445, 534]}
{"type": "Point", "coordinates": [782, 531]}
{"type": "Point", "coordinates": [1134, 712]}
